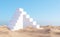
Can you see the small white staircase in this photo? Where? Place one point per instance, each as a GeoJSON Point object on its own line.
{"type": "Point", "coordinates": [21, 20]}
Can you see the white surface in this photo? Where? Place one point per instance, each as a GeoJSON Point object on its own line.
{"type": "Point", "coordinates": [38, 26]}
{"type": "Point", "coordinates": [24, 13]}
{"type": "Point", "coordinates": [20, 9]}
{"type": "Point", "coordinates": [18, 22]}
{"type": "Point", "coordinates": [27, 16]}
{"type": "Point", "coordinates": [34, 22]}
{"type": "Point", "coordinates": [31, 19]}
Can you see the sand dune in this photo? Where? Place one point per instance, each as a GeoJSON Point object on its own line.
{"type": "Point", "coordinates": [30, 32]}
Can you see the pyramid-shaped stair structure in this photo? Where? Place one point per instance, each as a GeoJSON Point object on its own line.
{"type": "Point", "coordinates": [21, 20]}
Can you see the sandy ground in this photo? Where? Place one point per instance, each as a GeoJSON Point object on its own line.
{"type": "Point", "coordinates": [22, 34]}
{"type": "Point", "coordinates": [5, 32]}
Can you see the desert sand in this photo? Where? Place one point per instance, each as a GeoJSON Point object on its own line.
{"type": "Point", "coordinates": [47, 31]}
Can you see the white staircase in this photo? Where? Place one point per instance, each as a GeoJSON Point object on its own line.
{"type": "Point", "coordinates": [21, 20]}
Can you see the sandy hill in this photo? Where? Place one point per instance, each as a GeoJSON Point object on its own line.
{"type": "Point", "coordinates": [47, 31]}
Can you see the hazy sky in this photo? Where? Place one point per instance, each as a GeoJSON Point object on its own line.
{"type": "Point", "coordinates": [45, 12]}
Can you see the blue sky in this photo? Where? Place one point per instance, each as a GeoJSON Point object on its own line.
{"type": "Point", "coordinates": [45, 12]}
